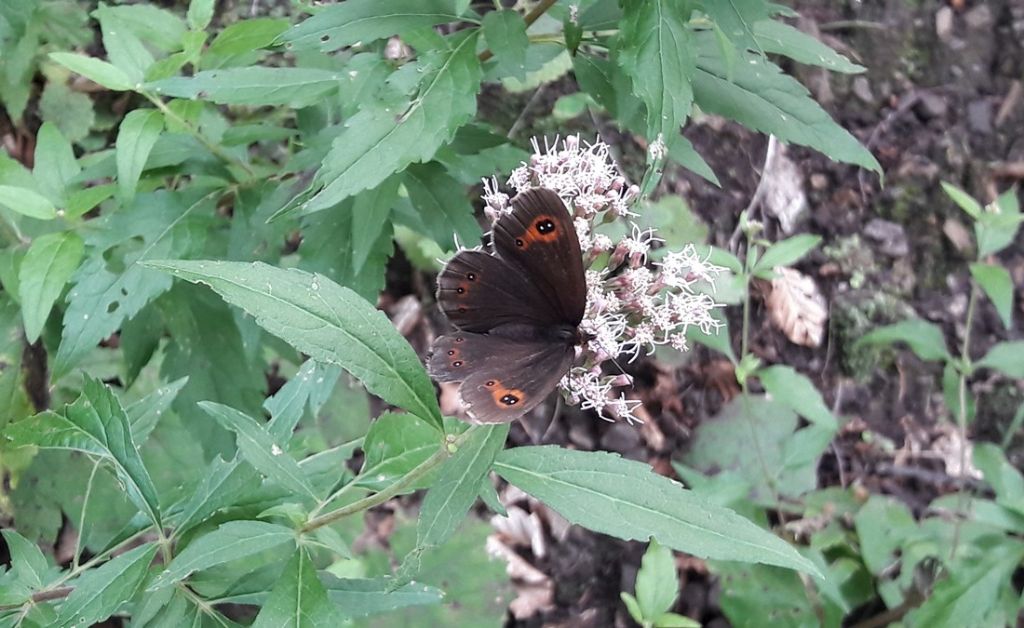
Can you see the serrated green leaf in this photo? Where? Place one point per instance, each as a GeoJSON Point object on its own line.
{"type": "Point", "coordinates": [370, 212]}
{"type": "Point", "coordinates": [381, 139]}
{"type": "Point", "coordinates": [329, 323]}
{"type": "Point", "coordinates": [657, 583]}
{"type": "Point", "coordinates": [356, 597]}
{"type": "Point", "coordinates": [96, 70]}
{"type": "Point", "coordinates": [758, 95]}
{"type": "Point", "coordinates": [1006, 357]}
{"type": "Point", "coordinates": [924, 339]}
{"type": "Point", "coordinates": [626, 499]}
{"type": "Point", "coordinates": [253, 86]}
{"type": "Point", "coordinates": [632, 606]}
{"type": "Point", "coordinates": [55, 164]}
{"type": "Point", "coordinates": [103, 293]}
{"type": "Point", "coordinates": [221, 485]}
{"type": "Point", "coordinates": [737, 20]}
{"type": "Point", "coordinates": [96, 424]}
{"type": "Point", "coordinates": [657, 52]}
{"type": "Point", "coordinates": [136, 137]}
{"type": "Point", "coordinates": [394, 445]}
{"type": "Point", "coordinates": [795, 391]}
{"type": "Point", "coordinates": [27, 202]}
{"type": "Point", "coordinates": [230, 541]}
{"type": "Point", "coordinates": [998, 285]}
{"type": "Point", "coordinates": [780, 38]}
{"type": "Point", "coordinates": [260, 450]}
{"type": "Point", "coordinates": [298, 600]}
{"type": "Point", "coordinates": [364, 21]}
{"type": "Point", "coordinates": [100, 592]}
{"type": "Point", "coordinates": [240, 43]}
{"type": "Point", "coordinates": [505, 33]}
{"type": "Point", "coordinates": [144, 413]}
{"type": "Point", "coordinates": [786, 252]}
{"type": "Point", "coordinates": [442, 204]}
{"type": "Point", "coordinates": [200, 12]}
{"type": "Point", "coordinates": [47, 266]}
{"type": "Point", "coordinates": [455, 490]}
{"type": "Point", "coordinates": [311, 386]}
{"type": "Point", "coordinates": [123, 45]}
{"type": "Point", "coordinates": [27, 560]}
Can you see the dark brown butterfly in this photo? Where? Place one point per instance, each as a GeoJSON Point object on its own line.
{"type": "Point", "coordinates": [516, 311]}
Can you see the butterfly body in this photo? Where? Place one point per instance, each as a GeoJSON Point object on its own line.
{"type": "Point", "coordinates": [516, 311]}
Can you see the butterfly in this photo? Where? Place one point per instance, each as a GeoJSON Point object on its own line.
{"type": "Point", "coordinates": [516, 311]}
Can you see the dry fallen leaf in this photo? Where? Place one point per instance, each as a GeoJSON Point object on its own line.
{"type": "Point", "coordinates": [797, 307]}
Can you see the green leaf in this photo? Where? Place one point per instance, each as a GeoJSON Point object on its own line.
{"type": "Point", "coordinates": [240, 43]}
{"type": "Point", "coordinates": [1006, 357]}
{"type": "Point", "coordinates": [329, 323]}
{"type": "Point", "coordinates": [55, 163]}
{"type": "Point", "coordinates": [657, 583]}
{"type": "Point", "coordinates": [48, 264]}
{"type": "Point", "coordinates": [657, 52]}
{"type": "Point", "coordinates": [758, 95]}
{"type": "Point", "coordinates": [785, 253]}
{"type": "Point", "coordinates": [221, 485]}
{"type": "Point", "coordinates": [998, 285]}
{"type": "Point", "coordinates": [997, 227]}
{"type": "Point", "coordinates": [253, 86]}
{"type": "Point", "coordinates": [442, 203]}
{"type": "Point", "coordinates": [882, 525]}
{"type": "Point", "coordinates": [144, 413]}
{"type": "Point", "coordinates": [200, 12]}
{"type": "Point", "coordinates": [364, 21]}
{"type": "Point", "coordinates": [394, 445]}
{"type": "Point", "coordinates": [260, 450]}
{"type": "Point", "coordinates": [1005, 480]}
{"type": "Point", "coordinates": [737, 19]}
{"type": "Point", "coordinates": [970, 593]}
{"type": "Point", "coordinates": [27, 560]}
{"type": "Point", "coordinates": [795, 391]}
{"type": "Point", "coordinates": [100, 592]}
{"type": "Point", "coordinates": [924, 338]}
{"type": "Point", "coordinates": [298, 600]}
{"type": "Point", "coordinates": [123, 41]}
{"type": "Point", "coordinates": [456, 488]}
{"type": "Point", "coordinates": [85, 200]}
{"type": "Point", "coordinates": [95, 424]}
{"type": "Point", "coordinates": [632, 606]}
{"type": "Point", "coordinates": [72, 112]}
{"type": "Point", "coordinates": [626, 499]}
{"type": "Point", "coordinates": [96, 70]}
{"type": "Point", "coordinates": [381, 139]}
{"type": "Point", "coordinates": [26, 202]}
{"type": "Point", "coordinates": [136, 137]}
{"type": "Point", "coordinates": [370, 213]}
{"type": "Point", "coordinates": [356, 598]}
{"type": "Point", "coordinates": [505, 33]}
{"type": "Point", "coordinates": [230, 541]}
{"type": "Point", "coordinates": [966, 202]}
{"type": "Point", "coordinates": [781, 38]}
{"type": "Point", "coordinates": [105, 293]}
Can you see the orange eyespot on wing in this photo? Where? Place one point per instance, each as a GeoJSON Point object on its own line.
{"type": "Point", "coordinates": [504, 397]}
{"type": "Point", "coordinates": [543, 229]}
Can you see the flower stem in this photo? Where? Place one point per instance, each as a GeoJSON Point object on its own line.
{"type": "Point", "coordinates": [961, 414]}
{"type": "Point", "coordinates": [409, 479]}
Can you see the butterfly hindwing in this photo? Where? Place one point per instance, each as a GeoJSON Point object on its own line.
{"type": "Point", "coordinates": [538, 236]}
{"type": "Point", "coordinates": [478, 292]}
{"type": "Point", "coordinates": [502, 378]}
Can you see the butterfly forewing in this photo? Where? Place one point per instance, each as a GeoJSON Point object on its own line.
{"type": "Point", "coordinates": [502, 378]}
{"type": "Point", "coordinates": [538, 236]}
{"type": "Point", "coordinates": [478, 292]}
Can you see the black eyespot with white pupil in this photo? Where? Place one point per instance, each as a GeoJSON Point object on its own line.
{"type": "Point", "coordinates": [451, 352]}
{"type": "Point", "coordinates": [471, 276]}
{"type": "Point", "coordinates": [545, 226]}
{"type": "Point", "coordinates": [457, 363]}
{"type": "Point", "coordinates": [510, 400]}
{"type": "Point", "coordinates": [460, 290]}
{"type": "Point", "coordinates": [519, 242]}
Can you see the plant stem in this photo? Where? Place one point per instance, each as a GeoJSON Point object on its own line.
{"type": "Point", "coordinates": [81, 519]}
{"type": "Point", "coordinates": [961, 415]}
{"type": "Point", "coordinates": [211, 146]}
{"type": "Point", "coordinates": [395, 489]}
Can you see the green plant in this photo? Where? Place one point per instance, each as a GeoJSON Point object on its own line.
{"type": "Point", "coordinates": [657, 587]}
{"type": "Point", "coordinates": [278, 164]}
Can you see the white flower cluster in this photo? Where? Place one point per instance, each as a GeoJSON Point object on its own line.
{"type": "Point", "coordinates": [632, 305]}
